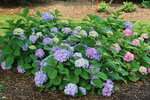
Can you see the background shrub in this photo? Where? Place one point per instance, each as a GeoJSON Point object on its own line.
{"type": "Point", "coordinates": [129, 7]}
{"type": "Point", "coordinates": [146, 4]}
{"type": "Point", "coordinates": [104, 7]}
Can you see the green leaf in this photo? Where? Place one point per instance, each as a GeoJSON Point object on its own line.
{"type": "Point", "coordinates": [35, 64]}
{"type": "Point", "coordinates": [132, 78]}
{"type": "Point", "coordinates": [64, 71]}
{"type": "Point", "coordinates": [56, 81]}
{"type": "Point", "coordinates": [74, 79]}
{"type": "Point", "coordinates": [102, 75]}
{"type": "Point", "coordinates": [78, 71]}
{"type": "Point", "coordinates": [26, 66]}
{"type": "Point", "coordinates": [48, 84]}
{"type": "Point", "coordinates": [34, 71]}
{"type": "Point", "coordinates": [89, 42]}
{"type": "Point", "coordinates": [51, 61]}
{"type": "Point", "coordinates": [7, 50]}
{"type": "Point", "coordinates": [20, 62]}
{"type": "Point", "coordinates": [1, 58]}
{"type": "Point", "coordinates": [60, 66]}
{"type": "Point", "coordinates": [98, 83]}
{"type": "Point", "coordinates": [38, 13]}
{"type": "Point", "coordinates": [9, 60]}
{"type": "Point", "coordinates": [52, 73]}
{"type": "Point", "coordinates": [17, 52]}
{"type": "Point", "coordinates": [46, 68]}
{"type": "Point", "coordinates": [84, 75]}
{"type": "Point", "coordinates": [33, 57]}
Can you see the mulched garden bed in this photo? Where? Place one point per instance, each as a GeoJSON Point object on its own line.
{"type": "Point", "coordinates": [22, 87]}
{"type": "Point", "coordinates": [75, 10]}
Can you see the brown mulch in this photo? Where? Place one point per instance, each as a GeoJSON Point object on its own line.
{"type": "Point", "coordinates": [22, 87]}
{"type": "Point", "coordinates": [76, 10]}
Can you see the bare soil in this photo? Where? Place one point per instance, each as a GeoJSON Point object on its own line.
{"type": "Point", "coordinates": [22, 87]}
{"type": "Point", "coordinates": [75, 10]}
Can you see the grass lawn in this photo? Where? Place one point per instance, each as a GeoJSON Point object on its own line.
{"type": "Point", "coordinates": [4, 24]}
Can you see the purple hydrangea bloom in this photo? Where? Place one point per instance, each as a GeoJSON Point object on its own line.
{"type": "Point", "coordinates": [40, 78]}
{"type": "Point", "coordinates": [22, 37]}
{"type": "Point", "coordinates": [54, 29]}
{"type": "Point", "coordinates": [71, 89]}
{"type": "Point", "coordinates": [20, 70]}
{"type": "Point", "coordinates": [4, 66]}
{"type": "Point", "coordinates": [94, 69]}
{"type": "Point", "coordinates": [25, 47]}
{"type": "Point", "coordinates": [47, 16]}
{"type": "Point", "coordinates": [83, 90]}
{"type": "Point", "coordinates": [93, 77]}
{"type": "Point", "coordinates": [65, 44]}
{"type": "Point", "coordinates": [128, 25]}
{"type": "Point", "coordinates": [66, 30]}
{"type": "Point", "coordinates": [108, 88]}
{"type": "Point", "coordinates": [47, 41]}
{"type": "Point", "coordinates": [40, 53]}
{"type": "Point", "coordinates": [93, 54]}
{"type": "Point", "coordinates": [33, 38]}
{"type": "Point", "coordinates": [62, 55]}
{"type": "Point", "coordinates": [55, 48]}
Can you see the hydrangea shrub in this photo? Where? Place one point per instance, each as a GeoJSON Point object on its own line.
{"type": "Point", "coordinates": [79, 58]}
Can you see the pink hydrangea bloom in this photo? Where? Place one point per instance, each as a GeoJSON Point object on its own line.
{"type": "Point", "coordinates": [145, 36]}
{"type": "Point", "coordinates": [121, 39]}
{"type": "Point", "coordinates": [118, 48]}
{"type": "Point", "coordinates": [128, 32]}
{"type": "Point", "coordinates": [148, 70]}
{"type": "Point", "coordinates": [136, 42]}
{"type": "Point", "coordinates": [128, 57]}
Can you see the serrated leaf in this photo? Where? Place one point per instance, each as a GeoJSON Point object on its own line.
{"type": "Point", "coordinates": [78, 71]}
{"type": "Point", "coordinates": [102, 75]}
{"type": "Point", "coordinates": [84, 75]}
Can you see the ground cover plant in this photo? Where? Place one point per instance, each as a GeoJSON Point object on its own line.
{"type": "Point", "coordinates": [104, 7]}
{"type": "Point", "coordinates": [146, 4]}
{"type": "Point", "coordinates": [78, 58]}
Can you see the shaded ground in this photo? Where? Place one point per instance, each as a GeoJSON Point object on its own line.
{"type": "Point", "coordinates": [76, 10]}
{"type": "Point", "coordinates": [21, 87]}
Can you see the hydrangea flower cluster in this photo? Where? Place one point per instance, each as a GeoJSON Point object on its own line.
{"type": "Point", "coordinates": [66, 30]}
{"type": "Point", "coordinates": [18, 31]}
{"type": "Point", "coordinates": [93, 54]}
{"type": "Point", "coordinates": [145, 35]}
{"type": "Point", "coordinates": [39, 34]}
{"type": "Point", "coordinates": [25, 47]}
{"type": "Point", "coordinates": [82, 63]}
{"type": "Point", "coordinates": [83, 90]}
{"type": "Point", "coordinates": [71, 89]}
{"type": "Point", "coordinates": [40, 53]}
{"type": "Point", "coordinates": [128, 25]}
{"type": "Point", "coordinates": [94, 69]}
{"type": "Point", "coordinates": [136, 42]}
{"type": "Point", "coordinates": [47, 16]}
{"type": "Point", "coordinates": [128, 32]}
{"type": "Point", "coordinates": [62, 55]}
{"type": "Point", "coordinates": [128, 57]}
{"type": "Point", "coordinates": [33, 38]}
{"type": "Point", "coordinates": [77, 54]}
{"type": "Point", "coordinates": [54, 29]}
{"type": "Point", "coordinates": [4, 66]}
{"type": "Point", "coordinates": [117, 47]}
{"type": "Point", "coordinates": [40, 78]}
{"type": "Point", "coordinates": [143, 70]}
{"type": "Point", "coordinates": [47, 41]}
{"type": "Point", "coordinates": [108, 88]}
{"type": "Point", "coordinates": [93, 34]}
{"type": "Point", "coordinates": [20, 70]}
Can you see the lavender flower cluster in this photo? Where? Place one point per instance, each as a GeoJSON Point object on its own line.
{"type": "Point", "coordinates": [108, 88]}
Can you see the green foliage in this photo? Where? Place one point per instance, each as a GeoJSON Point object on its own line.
{"type": "Point", "coordinates": [129, 7]}
{"type": "Point", "coordinates": [22, 2]}
{"type": "Point", "coordinates": [146, 4]}
{"type": "Point", "coordinates": [104, 7]}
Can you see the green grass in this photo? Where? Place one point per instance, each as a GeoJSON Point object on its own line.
{"type": "Point", "coordinates": [4, 24]}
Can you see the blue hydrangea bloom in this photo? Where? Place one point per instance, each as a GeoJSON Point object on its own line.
{"type": "Point", "coordinates": [4, 66]}
{"type": "Point", "coordinates": [54, 29]}
{"type": "Point", "coordinates": [47, 16]}
{"type": "Point", "coordinates": [62, 55]}
{"type": "Point", "coordinates": [71, 89]}
{"type": "Point", "coordinates": [25, 47]}
{"type": "Point", "coordinates": [93, 54]}
{"type": "Point", "coordinates": [40, 53]}
{"type": "Point", "coordinates": [40, 78]}
{"type": "Point", "coordinates": [55, 48]}
{"type": "Point", "coordinates": [22, 37]}
{"type": "Point", "coordinates": [83, 90]}
{"type": "Point", "coordinates": [33, 38]}
{"type": "Point", "coordinates": [47, 41]}
{"type": "Point", "coordinates": [20, 70]}
{"type": "Point", "coordinates": [128, 25]}
{"type": "Point", "coordinates": [108, 88]}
